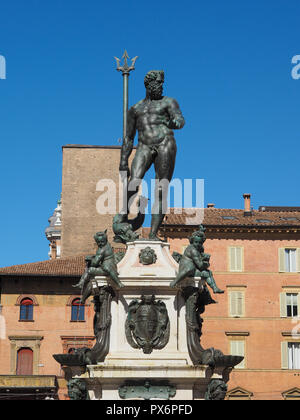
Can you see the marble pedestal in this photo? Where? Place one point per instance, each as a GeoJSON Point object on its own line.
{"type": "Point", "coordinates": [123, 362]}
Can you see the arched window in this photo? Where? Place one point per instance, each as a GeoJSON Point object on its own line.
{"type": "Point", "coordinates": [77, 310]}
{"type": "Point", "coordinates": [25, 361]}
{"type": "Point", "coordinates": [26, 309]}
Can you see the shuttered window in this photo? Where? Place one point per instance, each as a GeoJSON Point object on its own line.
{"type": "Point", "coordinates": [289, 304]}
{"type": "Point", "coordinates": [24, 362]}
{"type": "Point", "coordinates": [292, 304]}
{"type": "Point", "coordinates": [236, 303]}
{"type": "Point", "coordinates": [289, 260]}
{"type": "Point", "coordinates": [294, 355]}
{"type": "Point", "coordinates": [237, 348]}
{"type": "Point", "coordinates": [236, 258]}
{"type": "Point", "coordinates": [290, 355]}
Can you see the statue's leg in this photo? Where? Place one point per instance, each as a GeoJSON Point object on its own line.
{"type": "Point", "coordinates": [86, 289]}
{"type": "Point", "coordinates": [115, 278]}
{"type": "Point", "coordinates": [141, 163]}
{"type": "Point", "coordinates": [212, 283]}
{"type": "Point", "coordinates": [84, 278]}
{"type": "Point", "coordinates": [182, 274]}
{"type": "Point", "coordinates": [86, 292]}
{"type": "Point", "coordinates": [87, 286]}
{"type": "Point", "coordinates": [111, 271]}
{"type": "Point", "coordinates": [164, 167]}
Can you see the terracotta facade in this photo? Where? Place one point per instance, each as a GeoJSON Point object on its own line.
{"type": "Point", "coordinates": [260, 328]}
{"type": "Point", "coordinates": [51, 329]}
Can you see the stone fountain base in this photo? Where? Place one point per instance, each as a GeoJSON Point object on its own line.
{"type": "Point", "coordinates": [132, 379]}
{"type": "Point", "coordinates": [150, 347]}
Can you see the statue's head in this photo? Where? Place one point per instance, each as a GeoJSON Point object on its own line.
{"type": "Point", "coordinates": [154, 81]}
{"type": "Point", "coordinates": [77, 389]}
{"type": "Point", "coordinates": [147, 256]}
{"type": "Point", "coordinates": [148, 299]}
{"type": "Point", "coordinates": [197, 239]}
{"type": "Point", "coordinates": [217, 390]}
{"type": "Point", "coordinates": [101, 238]}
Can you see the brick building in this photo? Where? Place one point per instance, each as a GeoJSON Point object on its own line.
{"type": "Point", "coordinates": [40, 315]}
{"type": "Point", "coordinates": [85, 172]}
{"type": "Point", "coordinates": [255, 258]}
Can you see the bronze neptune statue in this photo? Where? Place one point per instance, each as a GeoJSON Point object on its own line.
{"type": "Point", "coordinates": [154, 117]}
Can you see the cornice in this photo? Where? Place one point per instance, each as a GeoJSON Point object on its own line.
{"type": "Point", "coordinates": [217, 229]}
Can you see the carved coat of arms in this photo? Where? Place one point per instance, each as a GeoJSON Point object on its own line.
{"type": "Point", "coordinates": [147, 325]}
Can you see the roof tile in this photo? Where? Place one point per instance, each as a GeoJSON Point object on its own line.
{"type": "Point", "coordinates": [70, 266]}
{"type": "Point", "coordinates": [234, 217]}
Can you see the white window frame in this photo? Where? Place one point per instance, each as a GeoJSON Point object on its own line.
{"type": "Point", "coordinates": [284, 302]}
{"type": "Point", "coordinates": [293, 355]}
{"type": "Point", "coordinates": [290, 355]}
{"type": "Point", "coordinates": [289, 259]}
{"type": "Point", "coordinates": [292, 301]}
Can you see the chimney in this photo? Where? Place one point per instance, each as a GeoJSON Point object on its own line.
{"type": "Point", "coordinates": [247, 205]}
{"type": "Point", "coordinates": [210, 205]}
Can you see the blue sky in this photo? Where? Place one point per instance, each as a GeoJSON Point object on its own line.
{"type": "Point", "coordinates": [227, 63]}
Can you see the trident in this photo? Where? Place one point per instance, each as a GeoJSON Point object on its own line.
{"type": "Point", "coordinates": [125, 69]}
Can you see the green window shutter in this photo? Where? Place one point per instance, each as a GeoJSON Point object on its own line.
{"type": "Point", "coordinates": [298, 260]}
{"type": "Point", "coordinates": [281, 258]}
{"type": "Point", "coordinates": [284, 355]}
{"type": "Point", "coordinates": [298, 304]}
{"type": "Point", "coordinates": [283, 309]}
